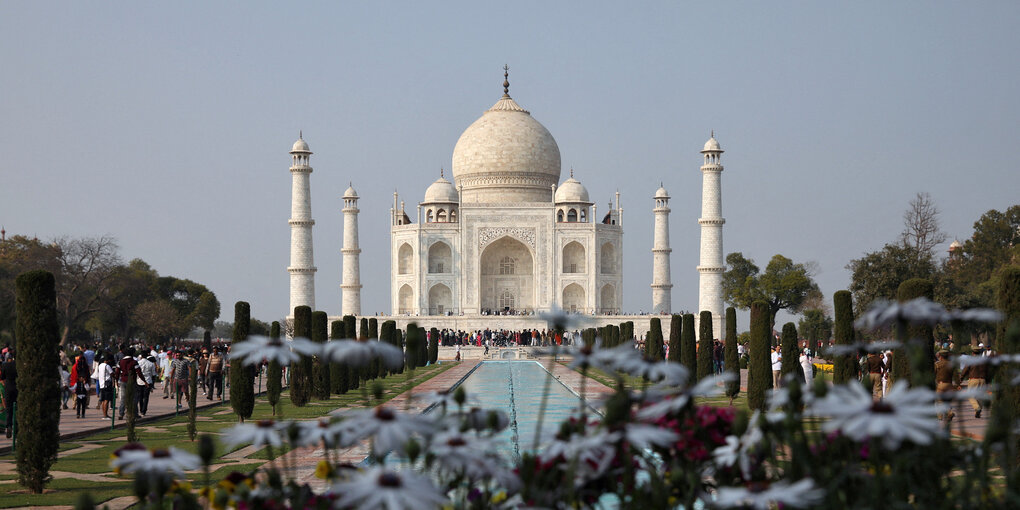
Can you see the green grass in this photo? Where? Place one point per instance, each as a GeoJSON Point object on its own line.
{"type": "Point", "coordinates": [65, 491]}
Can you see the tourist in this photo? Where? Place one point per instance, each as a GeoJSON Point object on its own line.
{"type": "Point", "coordinates": [943, 386]}
{"type": "Point", "coordinates": [777, 366]}
{"type": "Point", "coordinates": [976, 377]}
{"type": "Point", "coordinates": [9, 376]}
{"type": "Point", "coordinates": [179, 376]}
{"type": "Point", "coordinates": [145, 382]}
{"type": "Point", "coordinates": [103, 374]}
{"type": "Point", "coordinates": [164, 372]}
{"type": "Point", "coordinates": [807, 365]}
{"type": "Point", "coordinates": [81, 393]}
{"type": "Point", "coordinates": [65, 387]}
{"type": "Point", "coordinates": [875, 370]}
{"type": "Point", "coordinates": [127, 368]}
{"type": "Point", "coordinates": [215, 375]}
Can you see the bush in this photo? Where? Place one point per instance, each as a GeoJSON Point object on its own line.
{"type": "Point", "coordinates": [705, 346]}
{"type": "Point", "coordinates": [320, 367]}
{"type": "Point", "coordinates": [653, 343]}
{"type": "Point", "coordinates": [675, 327]}
{"type": "Point", "coordinates": [242, 378]}
{"type": "Point", "coordinates": [274, 373]}
{"type": "Point", "coordinates": [627, 331]}
{"type": "Point", "coordinates": [38, 381]}
{"type": "Point", "coordinates": [845, 366]}
{"type": "Point", "coordinates": [920, 358]}
{"type": "Point", "coordinates": [688, 345]}
{"type": "Point", "coordinates": [301, 370]}
{"type": "Point", "coordinates": [759, 370]}
{"type": "Point", "coordinates": [730, 362]}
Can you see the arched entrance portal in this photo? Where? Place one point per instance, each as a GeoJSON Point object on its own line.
{"type": "Point", "coordinates": [507, 280]}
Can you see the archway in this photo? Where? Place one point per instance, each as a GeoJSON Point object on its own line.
{"type": "Point", "coordinates": [440, 258]}
{"type": "Point", "coordinates": [573, 258]}
{"type": "Point", "coordinates": [608, 257]}
{"type": "Point", "coordinates": [506, 282]}
{"type": "Point", "coordinates": [440, 299]}
{"type": "Point", "coordinates": [405, 259]}
{"type": "Point", "coordinates": [405, 300]}
{"type": "Point", "coordinates": [607, 301]}
{"type": "Point", "coordinates": [573, 298]}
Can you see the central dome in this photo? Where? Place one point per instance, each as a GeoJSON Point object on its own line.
{"type": "Point", "coordinates": [506, 155]}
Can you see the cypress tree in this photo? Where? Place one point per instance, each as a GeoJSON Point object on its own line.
{"type": "Point", "coordinates": [588, 337]}
{"type": "Point", "coordinates": [705, 345]}
{"type": "Point", "coordinates": [398, 342]}
{"type": "Point", "coordinates": [413, 346]}
{"type": "Point", "coordinates": [337, 371]}
{"type": "Point", "coordinates": [433, 345]}
{"type": "Point", "coordinates": [301, 370]}
{"type": "Point", "coordinates": [242, 378]}
{"type": "Point", "coordinates": [386, 335]}
{"type": "Point", "coordinates": [350, 325]}
{"type": "Point", "coordinates": [688, 344]}
{"type": "Point", "coordinates": [675, 327]}
{"type": "Point", "coordinates": [130, 410]}
{"type": "Point", "coordinates": [38, 380]}
{"type": "Point", "coordinates": [363, 330]}
{"type": "Point", "coordinates": [844, 366]}
{"type": "Point", "coordinates": [653, 343]}
{"type": "Point", "coordinates": [961, 337]}
{"type": "Point", "coordinates": [730, 362]}
{"type": "Point", "coordinates": [320, 367]}
{"type": "Point", "coordinates": [627, 331]}
{"type": "Point", "coordinates": [921, 358]}
{"type": "Point", "coordinates": [351, 333]}
{"type": "Point", "coordinates": [207, 340]}
{"type": "Point", "coordinates": [373, 328]}
{"type": "Point", "coordinates": [759, 371]}
{"type": "Point", "coordinates": [274, 373]}
{"type": "Point", "coordinates": [789, 350]}
{"type": "Point", "coordinates": [192, 401]}
{"type": "Point", "coordinates": [423, 350]}
{"type": "Point", "coordinates": [1006, 403]}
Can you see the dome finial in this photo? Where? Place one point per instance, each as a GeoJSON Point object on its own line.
{"type": "Point", "coordinates": [441, 172]}
{"type": "Point", "coordinates": [571, 172]}
{"type": "Point", "coordinates": [713, 134]}
{"type": "Point", "coordinates": [506, 80]}
{"type": "Point", "coordinates": [300, 135]}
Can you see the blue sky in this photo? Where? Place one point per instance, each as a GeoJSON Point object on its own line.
{"type": "Point", "coordinates": [168, 125]}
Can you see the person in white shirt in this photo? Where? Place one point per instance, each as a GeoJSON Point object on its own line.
{"type": "Point", "coordinates": [65, 386]}
{"type": "Point", "coordinates": [145, 383]}
{"type": "Point", "coordinates": [777, 366]}
{"type": "Point", "coordinates": [807, 364]}
{"type": "Point", "coordinates": [164, 371]}
{"type": "Point", "coordinates": [104, 380]}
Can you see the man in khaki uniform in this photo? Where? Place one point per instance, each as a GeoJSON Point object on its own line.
{"type": "Point", "coordinates": [944, 383]}
{"type": "Point", "coordinates": [976, 377]}
{"type": "Point", "coordinates": [876, 368]}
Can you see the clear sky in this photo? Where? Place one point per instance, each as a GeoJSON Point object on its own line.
{"type": "Point", "coordinates": [167, 125]}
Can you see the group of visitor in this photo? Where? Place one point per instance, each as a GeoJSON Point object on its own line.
{"type": "Point", "coordinates": [505, 338]}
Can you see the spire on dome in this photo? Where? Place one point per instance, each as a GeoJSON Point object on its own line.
{"type": "Point", "coordinates": [300, 135]}
{"type": "Point", "coordinates": [571, 172]}
{"type": "Point", "coordinates": [441, 172]}
{"type": "Point", "coordinates": [506, 80]}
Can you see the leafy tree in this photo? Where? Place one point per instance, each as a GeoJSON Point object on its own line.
{"type": "Point", "coordinates": [789, 350]}
{"type": "Point", "coordinates": [730, 362]}
{"type": "Point", "coordinates": [37, 381]}
{"type": "Point", "coordinates": [688, 345]}
{"type": "Point", "coordinates": [675, 327]}
{"type": "Point", "coordinates": [20, 254]}
{"type": "Point", "coordinates": [242, 378]}
{"type": "Point", "coordinates": [653, 343]}
{"type": "Point", "coordinates": [158, 321]}
{"type": "Point", "coordinates": [878, 275]}
{"type": "Point", "coordinates": [816, 326]}
{"type": "Point", "coordinates": [705, 345]}
{"type": "Point", "coordinates": [274, 373]}
{"type": "Point", "coordinates": [87, 266]}
{"type": "Point", "coordinates": [844, 366]}
{"type": "Point", "coordinates": [301, 370]}
{"type": "Point", "coordinates": [759, 373]}
{"type": "Point", "coordinates": [920, 353]}
{"type": "Point", "coordinates": [972, 275]}
{"type": "Point", "coordinates": [783, 286]}
{"type": "Point", "coordinates": [320, 367]}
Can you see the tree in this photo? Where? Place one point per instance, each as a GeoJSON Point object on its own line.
{"type": "Point", "coordinates": [18, 255]}
{"type": "Point", "coordinates": [158, 321]}
{"type": "Point", "coordinates": [87, 266]}
{"type": "Point", "coordinates": [974, 273]}
{"type": "Point", "coordinates": [730, 362]}
{"type": "Point", "coordinates": [759, 373]}
{"type": "Point", "coordinates": [433, 345]}
{"type": "Point", "coordinates": [413, 346]}
{"type": "Point", "coordinates": [788, 348]}
{"type": "Point", "coordinates": [388, 335]}
{"type": "Point", "coordinates": [688, 344]}
{"type": "Point", "coordinates": [338, 372]}
{"type": "Point", "coordinates": [301, 370]}
{"type": "Point", "coordinates": [878, 275]}
{"type": "Point", "coordinates": [37, 379]}
{"type": "Point", "coordinates": [675, 327]}
{"type": "Point", "coordinates": [373, 328]}
{"type": "Point", "coordinates": [921, 229]}
{"type": "Point", "coordinates": [705, 345]}
{"type": "Point", "coordinates": [816, 326]}
{"type": "Point", "coordinates": [783, 286]}
{"type": "Point", "coordinates": [919, 353]}
{"type": "Point", "coordinates": [653, 343]}
{"type": "Point", "coordinates": [242, 377]}
{"type": "Point", "coordinates": [844, 366]}
{"type": "Point", "coordinates": [320, 367]}
{"type": "Point", "coordinates": [1006, 405]}
{"type": "Point", "coordinates": [274, 373]}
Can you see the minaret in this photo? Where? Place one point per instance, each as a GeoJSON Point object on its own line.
{"type": "Point", "coordinates": [302, 265]}
{"type": "Point", "coordinates": [350, 287]}
{"type": "Point", "coordinates": [711, 267]}
{"type": "Point", "coordinates": [662, 285]}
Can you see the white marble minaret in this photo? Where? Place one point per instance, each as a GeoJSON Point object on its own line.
{"type": "Point", "coordinates": [711, 267]}
{"type": "Point", "coordinates": [350, 287]}
{"type": "Point", "coordinates": [302, 261]}
{"type": "Point", "coordinates": [662, 285]}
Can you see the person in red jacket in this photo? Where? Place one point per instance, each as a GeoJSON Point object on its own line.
{"type": "Point", "coordinates": [126, 369]}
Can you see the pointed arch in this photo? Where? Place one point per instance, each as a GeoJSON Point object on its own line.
{"type": "Point", "coordinates": [440, 299]}
{"type": "Point", "coordinates": [607, 258]}
{"type": "Point", "coordinates": [405, 259]}
{"type": "Point", "coordinates": [573, 298]}
{"type": "Point", "coordinates": [573, 258]}
{"type": "Point", "coordinates": [440, 258]}
{"type": "Point", "coordinates": [405, 299]}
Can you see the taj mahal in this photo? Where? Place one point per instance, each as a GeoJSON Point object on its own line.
{"type": "Point", "coordinates": [506, 239]}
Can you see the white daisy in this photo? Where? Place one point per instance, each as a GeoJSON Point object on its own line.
{"type": "Point", "coordinates": [644, 436]}
{"type": "Point", "coordinates": [313, 433]}
{"type": "Point", "coordinates": [884, 313]}
{"type": "Point", "coordinates": [465, 454]}
{"type": "Point", "coordinates": [378, 487]}
{"type": "Point", "coordinates": [157, 461]}
{"type": "Point", "coordinates": [976, 315]}
{"type": "Point", "coordinates": [608, 360]}
{"type": "Point", "coordinates": [667, 373]}
{"type": "Point", "coordinates": [558, 317]}
{"type": "Point", "coordinates": [763, 496]}
{"type": "Point", "coordinates": [737, 450]}
{"type": "Point", "coordinates": [677, 400]}
{"type": "Point", "coordinates": [854, 348]}
{"type": "Point", "coordinates": [485, 419]}
{"type": "Point", "coordinates": [905, 414]}
{"type": "Point", "coordinates": [260, 433]}
{"type": "Point", "coordinates": [258, 348]}
{"type": "Point", "coordinates": [389, 429]}
{"type": "Point", "coordinates": [359, 354]}
{"type": "Point", "coordinates": [593, 452]}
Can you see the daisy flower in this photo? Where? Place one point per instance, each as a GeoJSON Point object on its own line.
{"type": "Point", "coordinates": [156, 461]}
{"type": "Point", "coordinates": [609, 360]}
{"type": "Point", "coordinates": [594, 452]}
{"type": "Point", "coordinates": [377, 487]}
{"type": "Point", "coordinates": [316, 432]}
{"type": "Point", "coordinates": [737, 450]}
{"type": "Point", "coordinates": [558, 317]}
{"type": "Point", "coordinates": [260, 433]}
{"type": "Point", "coordinates": [839, 350]}
{"type": "Point", "coordinates": [667, 373]}
{"type": "Point", "coordinates": [644, 436]}
{"type": "Point", "coordinates": [466, 454]}
{"type": "Point", "coordinates": [906, 414]}
{"type": "Point", "coordinates": [359, 354]}
{"type": "Point", "coordinates": [976, 315]}
{"type": "Point", "coordinates": [257, 348]}
{"type": "Point", "coordinates": [763, 496]}
{"type": "Point", "coordinates": [889, 313]}
{"type": "Point", "coordinates": [389, 429]}
{"type": "Point", "coordinates": [677, 400]}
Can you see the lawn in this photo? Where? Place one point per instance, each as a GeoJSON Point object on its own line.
{"type": "Point", "coordinates": [172, 431]}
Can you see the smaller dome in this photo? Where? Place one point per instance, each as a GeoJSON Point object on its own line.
{"type": "Point", "coordinates": [661, 192]}
{"type": "Point", "coordinates": [300, 146]}
{"type": "Point", "coordinates": [955, 245]}
{"type": "Point", "coordinates": [712, 145]}
{"type": "Point", "coordinates": [441, 191]}
{"type": "Point", "coordinates": [350, 193]}
{"type": "Point", "coordinates": [572, 191]}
